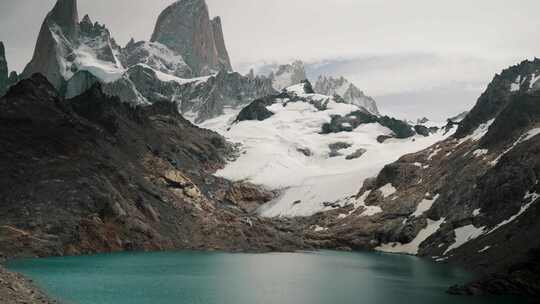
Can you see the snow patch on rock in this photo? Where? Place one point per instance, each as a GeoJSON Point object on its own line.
{"type": "Point", "coordinates": [387, 190]}
{"type": "Point", "coordinates": [424, 206]}
{"type": "Point", "coordinates": [463, 235]}
{"type": "Point", "coordinates": [478, 133]}
{"type": "Point", "coordinates": [529, 196]}
{"type": "Point", "coordinates": [413, 247]}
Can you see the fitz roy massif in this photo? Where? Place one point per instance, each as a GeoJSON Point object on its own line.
{"type": "Point", "coordinates": [160, 145]}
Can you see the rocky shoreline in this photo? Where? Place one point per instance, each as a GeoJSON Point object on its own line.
{"type": "Point", "coordinates": [16, 289]}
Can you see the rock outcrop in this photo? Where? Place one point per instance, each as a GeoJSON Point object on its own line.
{"type": "Point", "coordinates": [223, 54]}
{"type": "Point", "coordinates": [4, 72]}
{"type": "Point", "coordinates": [185, 27]}
{"type": "Point", "coordinates": [351, 121]}
{"type": "Point", "coordinates": [57, 39]}
{"type": "Point", "coordinates": [15, 289]}
{"type": "Point", "coordinates": [346, 90]}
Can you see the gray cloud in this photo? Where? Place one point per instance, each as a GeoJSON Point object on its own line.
{"type": "Point", "coordinates": [404, 49]}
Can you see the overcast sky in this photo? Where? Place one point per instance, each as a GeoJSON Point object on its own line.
{"type": "Point", "coordinates": [417, 57]}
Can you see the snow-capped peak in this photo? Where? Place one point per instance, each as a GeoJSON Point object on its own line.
{"type": "Point", "coordinates": [288, 74]}
{"type": "Point", "coordinates": [349, 92]}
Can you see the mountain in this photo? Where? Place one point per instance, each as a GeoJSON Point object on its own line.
{"type": "Point", "coordinates": [157, 56]}
{"type": "Point", "coordinates": [92, 174]}
{"type": "Point", "coordinates": [66, 46]}
{"type": "Point", "coordinates": [223, 54]}
{"type": "Point", "coordinates": [198, 99]}
{"type": "Point", "coordinates": [76, 55]}
{"type": "Point", "coordinates": [349, 92]}
{"type": "Point", "coordinates": [287, 75]}
{"type": "Point", "coordinates": [4, 77]}
{"type": "Point", "coordinates": [225, 91]}
{"type": "Point", "coordinates": [315, 148]}
{"type": "Point", "coordinates": [185, 27]}
{"type": "Point", "coordinates": [471, 199]}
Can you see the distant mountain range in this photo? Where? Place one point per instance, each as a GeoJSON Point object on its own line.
{"type": "Point", "coordinates": [186, 44]}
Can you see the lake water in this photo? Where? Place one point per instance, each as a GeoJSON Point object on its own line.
{"type": "Point", "coordinates": [281, 278]}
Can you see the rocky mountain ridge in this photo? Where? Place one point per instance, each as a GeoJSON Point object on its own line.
{"type": "Point", "coordinates": [349, 92]}
{"type": "Point", "coordinates": [75, 55]}
{"type": "Point", "coordinates": [99, 158]}
{"type": "Point", "coordinates": [287, 75]}
{"type": "Point", "coordinates": [91, 174]}
{"type": "Point", "coordinates": [469, 200]}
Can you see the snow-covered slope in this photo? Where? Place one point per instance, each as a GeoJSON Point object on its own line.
{"type": "Point", "coordinates": [315, 171]}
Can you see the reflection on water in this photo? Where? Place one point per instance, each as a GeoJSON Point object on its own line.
{"type": "Point", "coordinates": [281, 278]}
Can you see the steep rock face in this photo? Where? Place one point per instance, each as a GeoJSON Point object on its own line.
{"type": "Point", "coordinates": [288, 74]}
{"type": "Point", "coordinates": [95, 40]}
{"type": "Point", "coordinates": [4, 77]}
{"type": "Point", "coordinates": [223, 54]}
{"type": "Point", "coordinates": [520, 78]}
{"type": "Point", "coordinates": [348, 91]}
{"type": "Point", "coordinates": [156, 56]}
{"type": "Point", "coordinates": [210, 98]}
{"type": "Point", "coordinates": [56, 40]}
{"type": "Point", "coordinates": [471, 199]}
{"type": "Point", "coordinates": [199, 98]}
{"type": "Point", "coordinates": [91, 174]}
{"type": "Point", "coordinates": [185, 27]}
{"type": "Point", "coordinates": [80, 82]}
{"type": "Point", "coordinates": [66, 15]}
{"type": "Point", "coordinates": [65, 46]}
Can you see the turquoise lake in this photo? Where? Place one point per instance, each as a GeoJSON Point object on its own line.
{"type": "Point", "coordinates": [280, 278]}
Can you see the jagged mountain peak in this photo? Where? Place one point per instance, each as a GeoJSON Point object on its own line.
{"type": "Point", "coordinates": [66, 46]}
{"type": "Point", "coordinates": [185, 27]}
{"type": "Point", "coordinates": [223, 54]}
{"type": "Point", "coordinates": [343, 88]}
{"type": "Point", "coordinates": [86, 19]}
{"type": "Point", "coordinates": [66, 15]}
{"type": "Point", "coordinates": [286, 75]}
{"type": "Point", "coordinates": [4, 72]}
{"type": "Point", "coordinates": [519, 79]}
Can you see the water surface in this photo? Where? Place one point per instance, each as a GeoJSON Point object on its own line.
{"type": "Point", "coordinates": [280, 278]}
